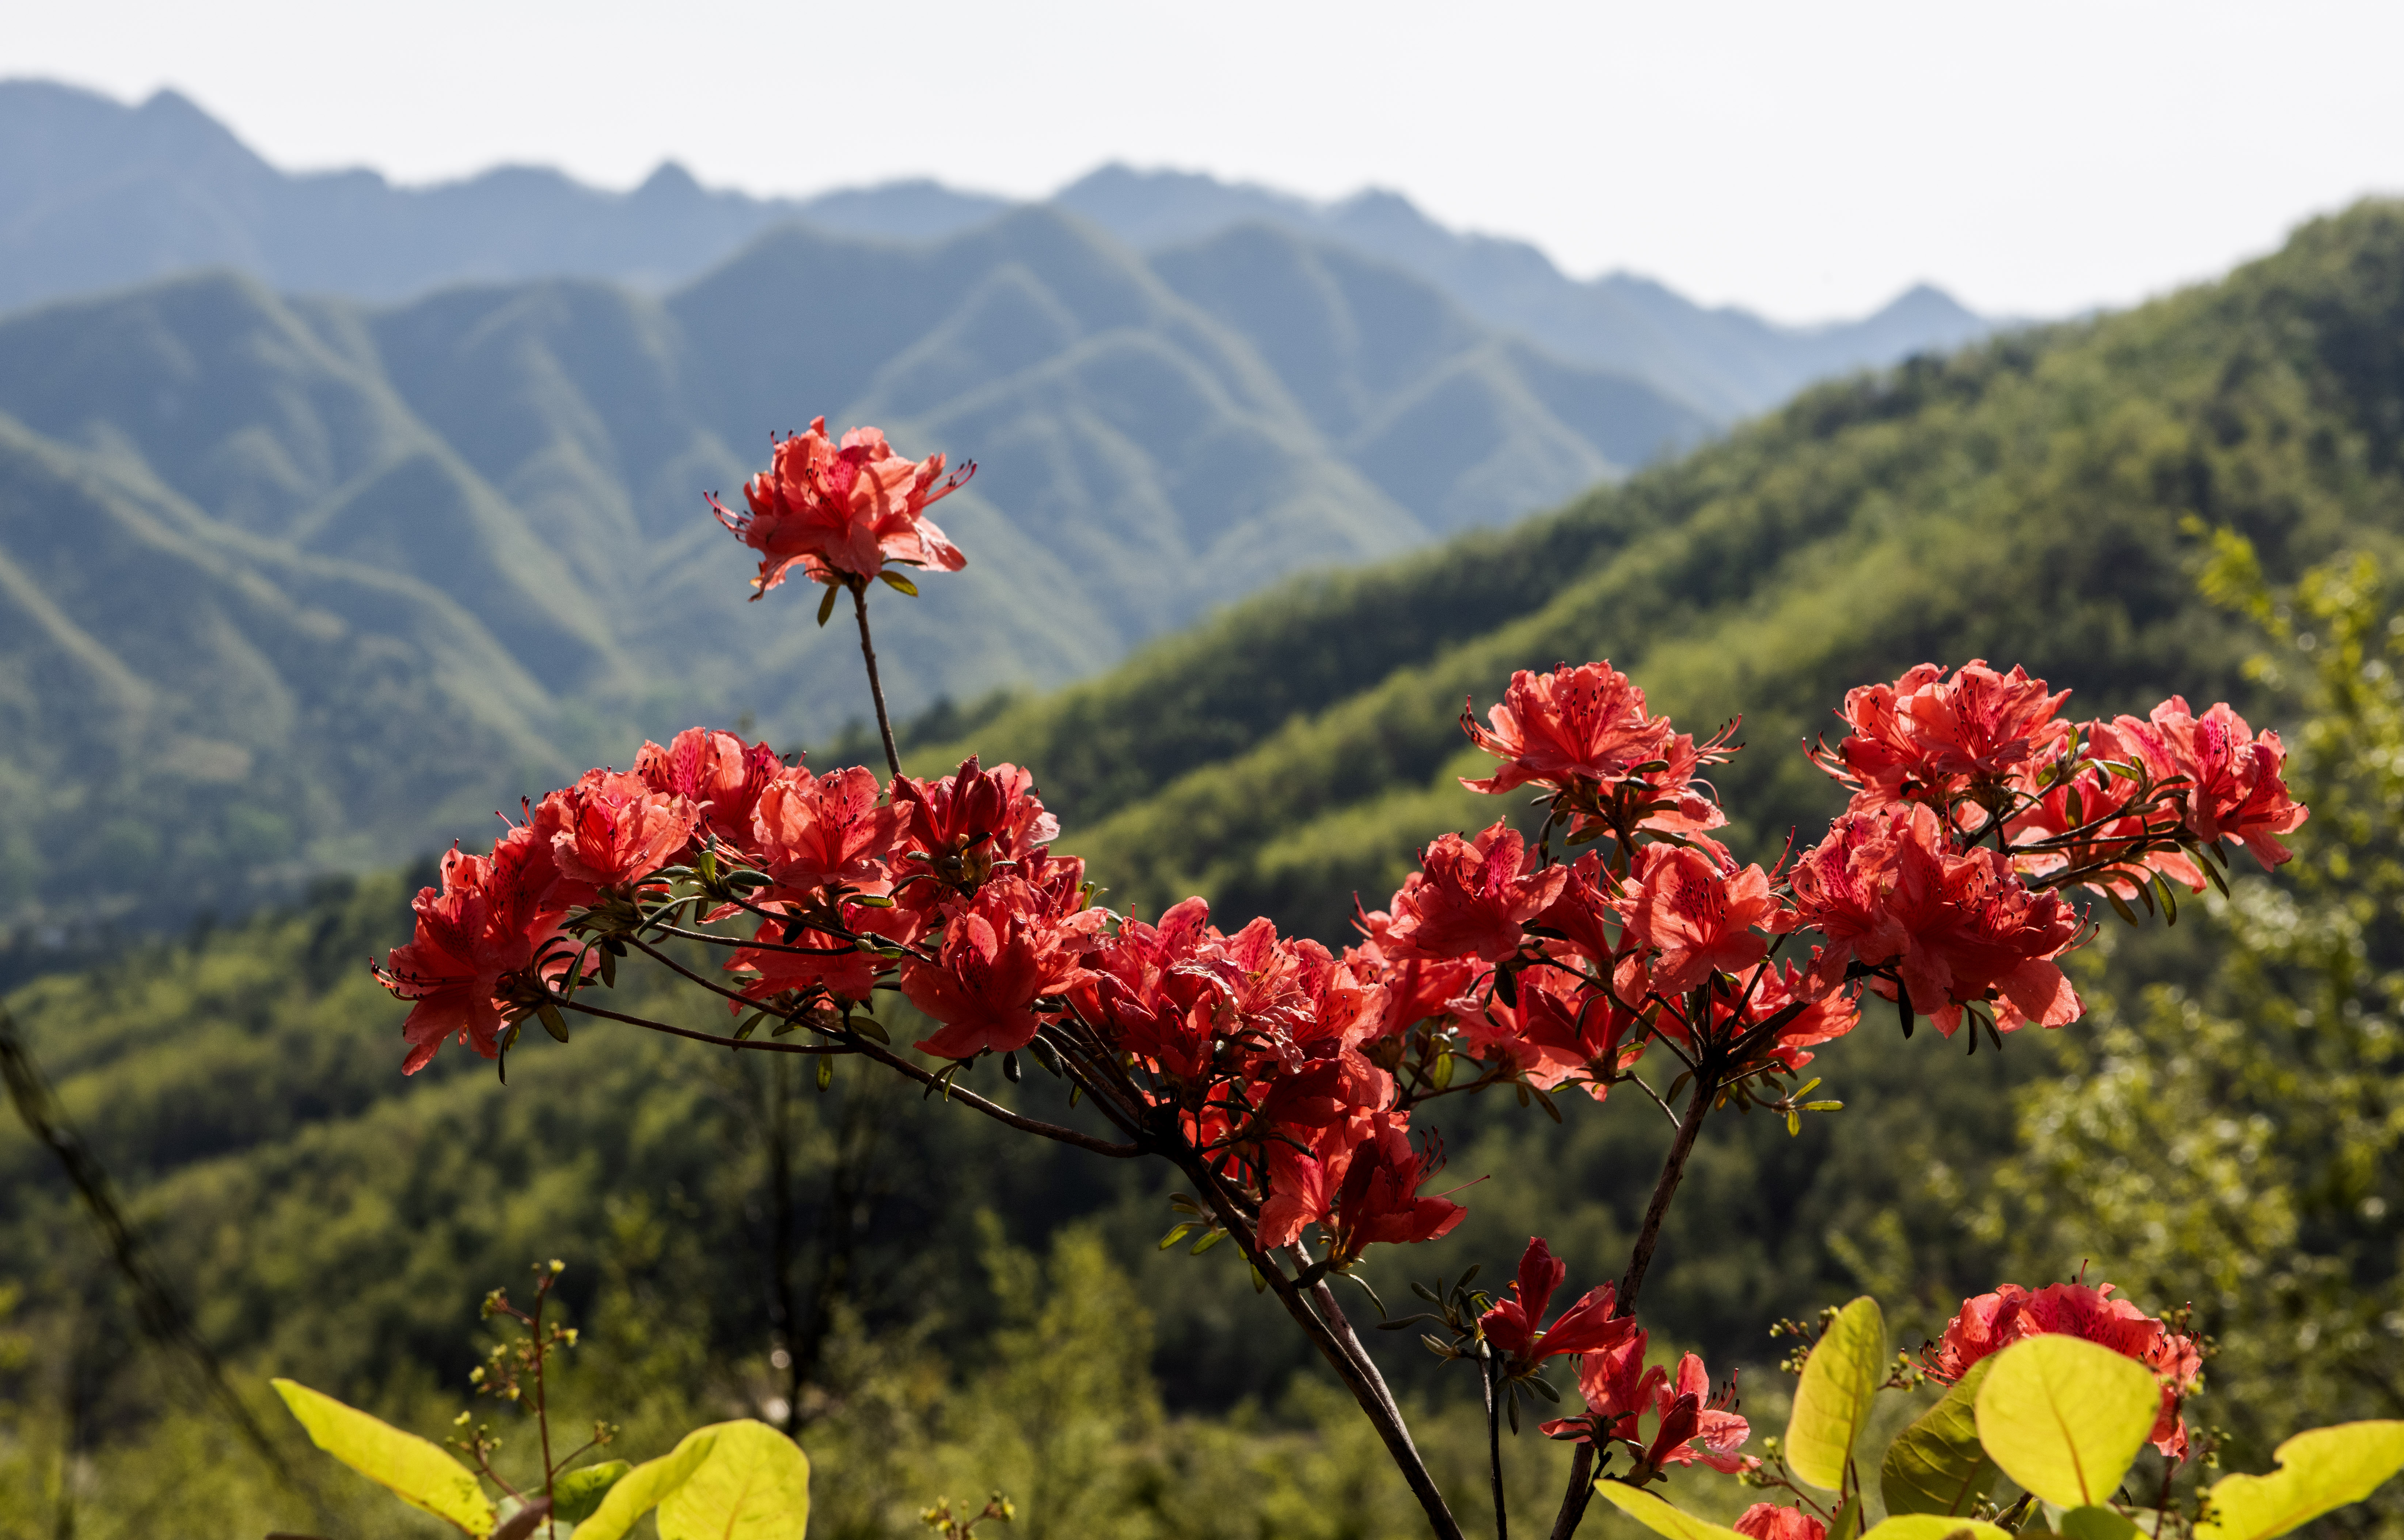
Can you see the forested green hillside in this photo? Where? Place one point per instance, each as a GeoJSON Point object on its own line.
{"type": "Point", "coordinates": [2024, 501]}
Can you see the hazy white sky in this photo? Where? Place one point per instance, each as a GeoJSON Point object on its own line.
{"type": "Point", "coordinates": [1805, 159]}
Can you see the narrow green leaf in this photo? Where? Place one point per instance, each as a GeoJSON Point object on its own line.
{"type": "Point", "coordinates": [1936, 1465]}
{"type": "Point", "coordinates": [575, 1495]}
{"type": "Point", "coordinates": [1177, 1233]}
{"type": "Point", "coordinates": [1848, 1520]}
{"type": "Point", "coordinates": [1833, 1399]}
{"type": "Point", "coordinates": [2065, 1418]}
{"type": "Point", "coordinates": [641, 1490]}
{"type": "Point", "coordinates": [754, 1486]}
{"type": "Point", "coordinates": [552, 1022]}
{"type": "Point", "coordinates": [419, 1472]}
{"type": "Point", "coordinates": [896, 580]}
{"type": "Point", "coordinates": [1658, 1516]}
{"type": "Point", "coordinates": [2326, 1468]}
{"type": "Point", "coordinates": [1212, 1239]}
{"type": "Point", "coordinates": [826, 606]}
{"type": "Point", "coordinates": [1936, 1526]}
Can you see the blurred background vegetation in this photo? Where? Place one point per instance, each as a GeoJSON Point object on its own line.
{"type": "Point", "coordinates": [939, 1310]}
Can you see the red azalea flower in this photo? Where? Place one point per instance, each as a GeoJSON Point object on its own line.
{"type": "Point", "coordinates": [717, 773]}
{"type": "Point", "coordinates": [1990, 1323]}
{"type": "Point", "coordinates": [809, 831]}
{"type": "Point", "coordinates": [1472, 898]}
{"type": "Point", "coordinates": [1929, 738]}
{"type": "Point", "coordinates": [1573, 725]}
{"type": "Point", "coordinates": [960, 827]}
{"type": "Point", "coordinates": [1772, 1522]}
{"type": "Point", "coordinates": [1698, 914]}
{"type": "Point", "coordinates": [843, 509]}
{"type": "Point", "coordinates": [1002, 951]}
{"type": "Point", "coordinates": [1586, 1326]}
{"type": "Point", "coordinates": [610, 829]}
{"type": "Point", "coordinates": [2236, 788]}
{"type": "Point", "coordinates": [470, 965]}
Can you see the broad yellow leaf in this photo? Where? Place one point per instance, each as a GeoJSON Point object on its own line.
{"type": "Point", "coordinates": [754, 1486]}
{"type": "Point", "coordinates": [1936, 1465]}
{"type": "Point", "coordinates": [2326, 1468]}
{"type": "Point", "coordinates": [1934, 1526]}
{"type": "Point", "coordinates": [2065, 1418]}
{"type": "Point", "coordinates": [1659, 1517]}
{"type": "Point", "coordinates": [419, 1472]}
{"type": "Point", "coordinates": [1833, 1401]}
{"type": "Point", "coordinates": [641, 1490]}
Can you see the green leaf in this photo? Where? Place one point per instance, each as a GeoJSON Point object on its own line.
{"type": "Point", "coordinates": [754, 1486]}
{"type": "Point", "coordinates": [1936, 1465]}
{"type": "Point", "coordinates": [1658, 1516]}
{"type": "Point", "coordinates": [1833, 1400]}
{"type": "Point", "coordinates": [2326, 1468]}
{"type": "Point", "coordinates": [896, 580]}
{"type": "Point", "coordinates": [1935, 1526]}
{"type": "Point", "coordinates": [826, 606]}
{"type": "Point", "coordinates": [2065, 1418]}
{"type": "Point", "coordinates": [576, 1494]}
{"type": "Point", "coordinates": [642, 1489]}
{"type": "Point", "coordinates": [1848, 1520]}
{"type": "Point", "coordinates": [2095, 1523]}
{"type": "Point", "coordinates": [417, 1471]}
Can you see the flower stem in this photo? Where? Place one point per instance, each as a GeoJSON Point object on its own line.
{"type": "Point", "coordinates": [1489, 1371]}
{"type": "Point", "coordinates": [859, 587]}
{"type": "Point", "coordinates": [1648, 1237]}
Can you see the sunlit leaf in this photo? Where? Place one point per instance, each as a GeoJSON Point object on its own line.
{"type": "Point", "coordinates": [1934, 1526]}
{"type": "Point", "coordinates": [2065, 1418]}
{"type": "Point", "coordinates": [1833, 1400]}
{"type": "Point", "coordinates": [2326, 1468]}
{"type": "Point", "coordinates": [1658, 1516]}
{"type": "Point", "coordinates": [754, 1486]}
{"type": "Point", "coordinates": [2096, 1523]}
{"type": "Point", "coordinates": [575, 1495]}
{"type": "Point", "coordinates": [419, 1472]}
{"type": "Point", "coordinates": [641, 1490]}
{"type": "Point", "coordinates": [1936, 1465]}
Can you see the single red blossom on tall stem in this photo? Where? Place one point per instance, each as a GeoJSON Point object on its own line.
{"type": "Point", "coordinates": [842, 510]}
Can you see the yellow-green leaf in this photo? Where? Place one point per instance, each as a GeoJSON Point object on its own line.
{"type": "Point", "coordinates": [419, 1472]}
{"type": "Point", "coordinates": [754, 1486]}
{"type": "Point", "coordinates": [2326, 1468]}
{"type": "Point", "coordinates": [576, 1495]}
{"type": "Point", "coordinates": [1833, 1400]}
{"type": "Point", "coordinates": [641, 1490]}
{"type": "Point", "coordinates": [1934, 1526]}
{"type": "Point", "coordinates": [2065, 1418]}
{"type": "Point", "coordinates": [1936, 1465]}
{"type": "Point", "coordinates": [2096, 1523]}
{"type": "Point", "coordinates": [1659, 1517]}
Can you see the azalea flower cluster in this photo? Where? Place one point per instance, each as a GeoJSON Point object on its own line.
{"type": "Point", "coordinates": [1284, 1076]}
{"type": "Point", "coordinates": [1993, 1321]}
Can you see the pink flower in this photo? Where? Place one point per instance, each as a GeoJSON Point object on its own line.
{"type": "Point", "coordinates": [842, 510]}
{"type": "Point", "coordinates": [958, 829]}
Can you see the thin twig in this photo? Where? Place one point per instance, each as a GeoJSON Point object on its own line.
{"type": "Point", "coordinates": [1489, 1368]}
{"type": "Point", "coordinates": [876, 691]}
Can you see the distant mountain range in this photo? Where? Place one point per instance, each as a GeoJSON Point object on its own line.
{"type": "Point", "coordinates": [293, 582]}
{"type": "Point", "coordinates": [94, 194]}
